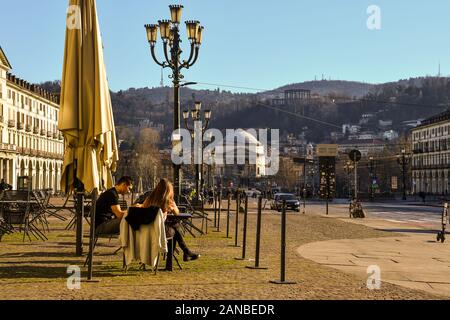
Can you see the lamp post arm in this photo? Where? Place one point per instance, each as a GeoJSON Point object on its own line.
{"type": "Point", "coordinates": [166, 54]}
{"type": "Point", "coordinates": [206, 126]}
{"type": "Point", "coordinates": [190, 64]}
{"type": "Point", "coordinates": [155, 58]}
{"type": "Point", "coordinates": [186, 63]}
{"type": "Point", "coordinates": [187, 126]}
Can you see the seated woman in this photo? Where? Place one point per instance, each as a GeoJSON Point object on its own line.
{"type": "Point", "coordinates": [162, 197]}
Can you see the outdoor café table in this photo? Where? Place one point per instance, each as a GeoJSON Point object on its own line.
{"type": "Point", "coordinates": [171, 219]}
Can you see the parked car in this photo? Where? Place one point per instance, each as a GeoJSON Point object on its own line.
{"type": "Point", "coordinates": [292, 203]}
{"type": "Point", "coordinates": [252, 193]}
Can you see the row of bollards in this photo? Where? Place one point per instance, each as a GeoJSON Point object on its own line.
{"type": "Point", "coordinates": [244, 199]}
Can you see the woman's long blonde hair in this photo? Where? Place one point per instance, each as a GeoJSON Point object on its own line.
{"type": "Point", "coordinates": [161, 197]}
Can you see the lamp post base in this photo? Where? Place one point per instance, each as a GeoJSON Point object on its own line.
{"type": "Point", "coordinates": [257, 268]}
{"type": "Point", "coordinates": [282, 282]}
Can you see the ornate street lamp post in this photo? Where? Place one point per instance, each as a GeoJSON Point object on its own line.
{"type": "Point", "coordinates": [372, 178]}
{"type": "Point", "coordinates": [200, 126]}
{"type": "Point", "coordinates": [403, 161]}
{"type": "Point", "coordinates": [170, 35]}
{"type": "Point", "coordinates": [348, 170]}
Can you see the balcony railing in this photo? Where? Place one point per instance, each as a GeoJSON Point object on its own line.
{"type": "Point", "coordinates": [36, 130]}
{"type": "Point", "coordinates": [20, 126]}
{"type": "Point", "coordinates": [49, 155]}
{"type": "Point", "coordinates": [11, 123]}
{"type": "Point", "coordinates": [49, 134]}
{"type": "Point", "coordinates": [43, 132]}
{"type": "Point", "coordinates": [8, 147]}
{"type": "Point", "coordinates": [24, 151]}
{"type": "Point", "coordinates": [60, 136]}
{"type": "Point", "coordinates": [55, 135]}
{"type": "Point", "coordinates": [430, 167]}
{"type": "Point", "coordinates": [29, 128]}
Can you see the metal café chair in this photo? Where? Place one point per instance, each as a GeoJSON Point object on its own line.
{"type": "Point", "coordinates": [186, 206]}
{"type": "Point", "coordinates": [20, 209]}
{"type": "Point", "coordinates": [87, 209]}
{"type": "Point", "coordinates": [50, 209]}
{"type": "Point", "coordinates": [123, 206]}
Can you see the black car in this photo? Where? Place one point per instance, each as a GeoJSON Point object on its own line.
{"type": "Point", "coordinates": [292, 202]}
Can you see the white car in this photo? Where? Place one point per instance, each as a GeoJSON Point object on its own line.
{"type": "Point", "coordinates": [252, 193]}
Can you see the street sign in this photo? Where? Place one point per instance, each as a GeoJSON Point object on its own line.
{"type": "Point", "coordinates": [327, 150]}
{"type": "Point", "coordinates": [355, 155]}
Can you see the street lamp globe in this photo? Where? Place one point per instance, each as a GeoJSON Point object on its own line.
{"type": "Point", "coordinates": [152, 33]}
{"type": "Point", "coordinates": [195, 114]}
{"type": "Point", "coordinates": [198, 106]}
{"type": "Point", "coordinates": [175, 13]}
{"type": "Point", "coordinates": [192, 27]}
{"type": "Point", "coordinates": [164, 26]}
{"type": "Point", "coordinates": [186, 114]}
{"type": "Point", "coordinates": [207, 114]}
{"type": "Point", "coordinates": [199, 38]}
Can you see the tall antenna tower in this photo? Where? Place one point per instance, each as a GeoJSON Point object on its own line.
{"type": "Point", "coordinates": [162, 78]}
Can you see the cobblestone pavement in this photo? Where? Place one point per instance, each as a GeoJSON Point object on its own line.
{"type": "Point", "coordinates": [37, 270]}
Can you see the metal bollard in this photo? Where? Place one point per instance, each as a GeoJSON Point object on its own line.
{"type": "Point", "coordinates": [258, 237]}
{"type": "Point", "coordinates": [441, 235]}
{"type": "Point", "coordinates": [92, 234]}
{"type": "Point", "coordinates": [238, 206]}
{"type": "Point", "coordinates": [79, 223]}
{"type": "Point", "coordinates": [206, 220]}
{"type": "Point", "coordinates": [244, 240]}
{"type": "Point", "coordinates": [283, 250]}
{"type": "Point", "coordinates": [220, 211]}
{"type": "Point", "coordinates": [228, 217]}
{"type": "Point", "coordinates": [215, 209]}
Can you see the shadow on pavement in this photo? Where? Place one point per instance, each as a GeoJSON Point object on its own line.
{"type": "Point", "coordinates": [409, 231]}
{"type": "Point", "coordinates": [54, 272]}
{"type": "Point", "coordinates": [38, 255]}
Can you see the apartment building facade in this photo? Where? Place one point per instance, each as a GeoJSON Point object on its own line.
{"type": "Point", "coordinates": [431, 155]}
{"type": "Point", "coordinates": [30, 143]}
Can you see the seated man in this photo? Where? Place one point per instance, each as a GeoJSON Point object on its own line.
{"type": "Point", "coordinates": [108, 213]}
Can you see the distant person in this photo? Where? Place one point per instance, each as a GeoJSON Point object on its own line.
{"type": "Point", "coordinates": [211, 196]}
{"type": "Point", "coordinates": [422, 195]}
{"type": "Point", "coordinates": [4, 186]}
{"type": "Point", "coordinates": [108, 213]}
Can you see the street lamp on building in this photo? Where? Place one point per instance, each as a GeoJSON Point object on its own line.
{"type": "Point", "coordinates": [199, 127]}
{"type": "Point", "coordinates": [170, 35]}
{"type": "Point", "coordinates": [403, 161]}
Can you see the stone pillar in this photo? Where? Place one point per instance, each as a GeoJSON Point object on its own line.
{"type": "Point", "coordinates": [34, 178]}
{"type": "Point", "coordinates": [53, 178]}
{"type": "Point", "coordinates": [12, 168]}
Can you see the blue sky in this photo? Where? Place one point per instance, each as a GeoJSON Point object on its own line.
{"type": "Point", "coordinates": [247, 43]}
